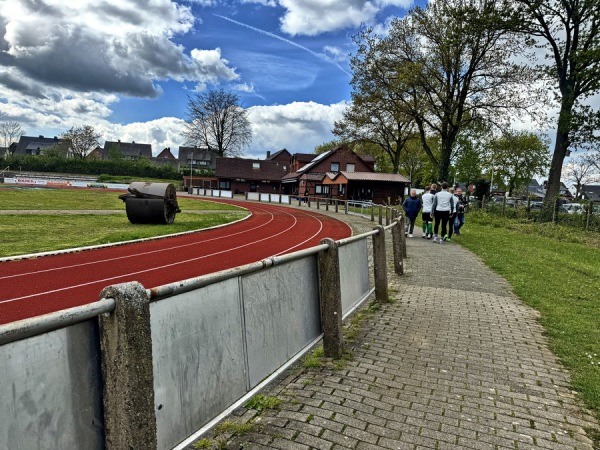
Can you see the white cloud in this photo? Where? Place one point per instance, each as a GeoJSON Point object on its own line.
{"type": "Point", "coordinates": [101, 46]}
{"type": "Point", "coordinates": [313, 17]}
{"type": "Point", "coordinates": [298, 126]}
{"type": "Point", "coordinates": [335, 53]}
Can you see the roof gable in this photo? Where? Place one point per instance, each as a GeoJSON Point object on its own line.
{"type": "Point", "coordinates": [36, 142]}
{"type": "Point", "coordinates": [129, 149]}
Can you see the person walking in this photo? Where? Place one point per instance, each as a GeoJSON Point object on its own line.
{"type": "Point", "coordinates": [427, 200]}
{"type": "Point", "coordinates": [452, 217]}
{"type": "Point", "coordinates": [461, 208]}
{"type": "Point", "coordinates": [442, 210]}
{"type": "Point", "coordinates": [411, 205]}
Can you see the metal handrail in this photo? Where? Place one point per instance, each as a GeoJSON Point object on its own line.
{"type": "Point", "coordinates": [33, 326]}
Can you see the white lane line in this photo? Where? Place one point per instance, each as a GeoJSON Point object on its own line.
{"type": "Point", "coordinates": [102, 261]}
{"type": "Point", "coordinates": [149, 270]}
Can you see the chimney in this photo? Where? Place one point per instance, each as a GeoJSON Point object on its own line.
{"type": "Point", "coordinates": [268, 153]}
{"type": "Point", "coordinates": [118, 140]}
{"type": "Point", "coordinates": [41, 136]}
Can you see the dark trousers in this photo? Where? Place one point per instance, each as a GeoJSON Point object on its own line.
{"type": "Point", "coordinates": [443, 217]}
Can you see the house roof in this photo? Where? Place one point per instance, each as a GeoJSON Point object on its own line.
{"type": "Point", "coordinates": [593, 188]}
{"type": "Point", "coordinates": [372, 176]}
{"type": "Point", "coordinates": [200, 153]}
{"type": "Point", "coordinates": [129, 149]}
{"type": "Point", "coordinates": [240, 168]}
{"type": "Point", "coordinates": [279, 154]}
{"type": "Point", "coordinates": [166, 153]}
{"type": "Point", "coordinates": [304, 157]}
{"type": "Point", "coordinates": [35, 142]}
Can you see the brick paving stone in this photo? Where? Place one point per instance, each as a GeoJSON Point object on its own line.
{"type": "Point", "coordinates": [450, 364]}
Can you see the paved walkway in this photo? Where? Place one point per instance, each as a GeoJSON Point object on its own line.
{"type": "Point", "coordinates": [456, 362]}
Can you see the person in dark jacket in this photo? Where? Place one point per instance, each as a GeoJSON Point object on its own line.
{"type": "Point", "coordinates": [412, 206]}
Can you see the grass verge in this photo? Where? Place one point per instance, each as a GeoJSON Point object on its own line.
{"type": "Point", "coordinates": [32, 234]}
{"type": "Point", "coordinates": [75, 199]}
{"type": "Point", "coordinates": [556, 270]}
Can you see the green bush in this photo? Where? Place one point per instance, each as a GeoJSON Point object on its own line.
{"type": "Point", "coordinates": [134, 168]}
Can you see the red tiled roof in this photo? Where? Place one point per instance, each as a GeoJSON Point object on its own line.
{"type": "Point", "coordinates": [372, 176]}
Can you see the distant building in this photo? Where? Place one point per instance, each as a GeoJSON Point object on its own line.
{"type": "Point", "coordinates": [308, 177]}
{"type": "Point", "coordinates": [95, 154]}
{"type": "Point", "coordinates": [282, 156]}
{"type": "Point", "coordinates": [198, 157]}
{"type": "Point", "coordinates": [127, 150]}
{"type": "Point", "coordinates": [250, 175]}
{"type": "Point", "coordinates": [166, 154]}
{"type": "Point", "coordinates": [30, 145]}
{"type": "Point", "coordinates": [590, 192]}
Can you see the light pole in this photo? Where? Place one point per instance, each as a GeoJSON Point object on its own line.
{"type": "Point", "coordinates": [191, 170]}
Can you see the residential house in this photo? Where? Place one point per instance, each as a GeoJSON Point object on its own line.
{"type": "Point", "coordinates": [300, 160]}
{"type": "Point", "coordinates": [309, 177]}
{"type": "Point", "coordinates": [31, 145]}
{"type": "Point", "coordinates": [126, 150]}
{"type": "Point", "coordinates": [198, 157]}
{"type": "Point", "coordinates": [166, 154]}
{"type": "Point", "coordinates": [591, 192]}
{"type": "Point", "coordinates": [381, 188]}
{"type": "Point", "coordinates": [95, 154]}
{"type": "Point", "coordinates": [282, 156]}
{"type": "Point", "coordinates": [250, 175]}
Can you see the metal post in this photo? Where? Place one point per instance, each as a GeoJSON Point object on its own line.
{"type": "Point", "coordinates": [126, 358]}
{"type": "Point", "coordinates": [397, 233]}
{"type": "Point", "coordinates": [372, 213]}
{"type": "Point", "coordinates": [336, 206]}
{"type": "Point", "coordinates": [330, 297]}
{"type": "Point", "coordinates": [346, 207]}
{"type": "Point", "coordinates": [380, 265]}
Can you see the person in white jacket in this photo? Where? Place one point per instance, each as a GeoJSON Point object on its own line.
{"type": "Point", "coordinates": [427, 199]}
{"type": "Point", "coordinates": [451, 219]}
{"type": "Point", "coordinates": [442, 210]}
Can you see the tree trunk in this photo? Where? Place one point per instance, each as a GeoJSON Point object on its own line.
{"type": "Point", "coordinates": [444, 166]}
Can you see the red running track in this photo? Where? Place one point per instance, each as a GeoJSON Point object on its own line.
{"type": "Point", "coordinates": [32, 287]}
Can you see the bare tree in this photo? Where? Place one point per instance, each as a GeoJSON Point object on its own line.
{"type": "Point", "coordinates": [81, 140]}
{"type": "Point", "coordinates": [580, 171]}
{"type": "Point", "coordinates": [217, 121]}
{"type": "Point", "coordinates": [10, 131]}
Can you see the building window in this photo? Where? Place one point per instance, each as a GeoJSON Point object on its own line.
{"type": "Point", "coordinates": [224, 184]}
{"type": "Point", "coordinates": [322, 189]}
{"type": "Point", "coordinates": [256, 165]}
{"type": "Point", "coordinates": [335, 167]}
{"type": "Point", "coordinates": [342, 189]}
{"type": "Point", "coordinates": [350, 167]}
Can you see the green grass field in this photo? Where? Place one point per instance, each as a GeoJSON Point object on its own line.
{"type": "Point", "coordinates": [556, 270]}
{"type": "Point", "coordinates": [24, 234]}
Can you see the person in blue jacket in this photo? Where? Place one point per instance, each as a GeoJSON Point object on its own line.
{"type": "Point", "coordinates": [411, 205]}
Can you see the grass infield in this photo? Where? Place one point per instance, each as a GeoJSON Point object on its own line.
{"type": "Point", "coordinates": [555, 270]}
{"type": "Point", "coordinates": [23, 234]}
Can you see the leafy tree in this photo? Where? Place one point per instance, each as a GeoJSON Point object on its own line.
{"type": "Point", "coordinates": [326, 146]}
{"type": "Point", "coordinates": [217, 121]}
{"type": "Point", "coordinates": [517, 157]}
{"type": "Point", "coordinates": [414, 161]}
{"type": "Point", "coordinates": [446, 65]}
{"type": "Point", "coordinates": [81, 140]}
{"type": "Point", "coordinates": [373, 118]}
{"type": "Point", "coordinates": [570, 32]}
{"type": "Point", "coordinates": [10, 131]}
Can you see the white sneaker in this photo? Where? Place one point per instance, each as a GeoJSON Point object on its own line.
{"type": "Point", "coordinates": [410, 235]}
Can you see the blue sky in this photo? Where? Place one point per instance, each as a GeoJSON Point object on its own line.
{"type": "Point", "coordinates": [127, 69]}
